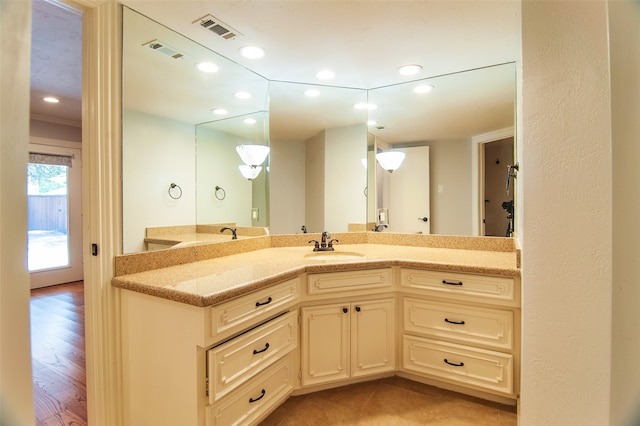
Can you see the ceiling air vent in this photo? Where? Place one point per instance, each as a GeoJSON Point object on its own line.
{"type": "Point", "coordinates": [162, 47]}
{"type": "Point", "coordinates": [217, 27]}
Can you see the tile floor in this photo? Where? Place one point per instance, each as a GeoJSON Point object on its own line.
{"type": "Point", "coordinates": [389, 402]}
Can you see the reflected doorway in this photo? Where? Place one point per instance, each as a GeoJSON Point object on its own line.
{"type": "Point", "coordinates": [497, 205]}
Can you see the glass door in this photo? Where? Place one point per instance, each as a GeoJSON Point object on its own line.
{"type": "Point", "coordinates": [54, 254]}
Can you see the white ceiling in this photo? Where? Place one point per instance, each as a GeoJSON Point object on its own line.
{"type": "Point", "coordinates": [363, 41]}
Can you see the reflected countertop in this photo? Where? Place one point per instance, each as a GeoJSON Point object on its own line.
{"type": "Point", "coordinates": [212, 281]}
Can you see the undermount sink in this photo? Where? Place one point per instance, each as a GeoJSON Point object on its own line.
{"type": "Point", "coordinates": [334, 255]}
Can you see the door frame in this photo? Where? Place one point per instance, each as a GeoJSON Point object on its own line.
{"type": "Point", "coordinates": [477, 175]}
{"type": "Point", "coordinates": [73, 272]}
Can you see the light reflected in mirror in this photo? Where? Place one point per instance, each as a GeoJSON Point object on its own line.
{"type": "Point", "coordinates": [463, 131]}
{"type": "Point", "coordinates": [165, 99]}
{"type": "Point", "coordinates": [241, 202]}
{"type": "Point", "coordinates": [314, 175]}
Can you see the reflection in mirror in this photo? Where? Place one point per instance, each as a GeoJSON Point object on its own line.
{"type": "Point", "coordinates": [165, 97]}
{"type": "Point", "coordinates": [314, 176]}
{"type": "Point", "coordinates": [237, 200]}
{"type": "Point", "coordinates": [461, 127]}
{"type": "Point", "coordinates": [317, 146]}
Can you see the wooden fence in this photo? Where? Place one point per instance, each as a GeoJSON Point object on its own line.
{"type": "Point", "coordinates": [47, 212]}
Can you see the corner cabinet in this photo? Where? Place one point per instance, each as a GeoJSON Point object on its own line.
{"type": "Point", "coordinates": [345, 340]}
{"type": "Point", "coordinates": [235, 362]}
{"type": "Point", "coordinates": [462, 329]}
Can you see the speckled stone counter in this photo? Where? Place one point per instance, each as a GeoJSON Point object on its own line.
{"type": "Point", "coordinates": [219, 278]}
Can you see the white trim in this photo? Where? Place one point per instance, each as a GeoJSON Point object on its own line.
{"type": "Point", "coordinates": [102, 201]}
{"type": "Point", "coordinates": [55, 120]}
{"type": "Point", "coordinates": [55, 142]}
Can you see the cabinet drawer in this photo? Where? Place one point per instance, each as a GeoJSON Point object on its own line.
{"type": "Point", "coordinates": [465, 324]}
{"type": "Point", "coordinates": [478, 288]}
{"type": "Point", "coordinates": [351, 281]}
{"type": "Point", "coordinates": [247, 404]}
{"type": "Point", "coordinates": [247, 310]}
{"type": "Point", "coordinates": [481, 368]}
{"type": "Point", "coordinates": [238, 360]}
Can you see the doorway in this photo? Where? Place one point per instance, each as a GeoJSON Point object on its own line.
{"type": "Point", "coordinates": [497, 205]}
{"type": "Point", "coordinates": [54, 187]}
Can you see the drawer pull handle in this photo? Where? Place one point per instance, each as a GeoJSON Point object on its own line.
{"type": "Point", "coordinates": [258, 398]}
{"type": "Point", "coordinates": [453, 322]}
{"type": "Point", "coordinates": [255, 351]}
{"type": "Point", "coordinates": [451, 282]}
{"type": "Point", "coordinates": [269, 300]}
{"type": "Point", "coordinates": [454, 364]}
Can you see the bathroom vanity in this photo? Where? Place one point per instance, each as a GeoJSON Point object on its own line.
{"type": "Point", "coordinates": [225, 340]}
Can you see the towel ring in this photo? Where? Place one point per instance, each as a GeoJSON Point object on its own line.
{"type": "Point", "coordinates": [220, 190]}
{"type": "Point", "coordinates": [179, 191]}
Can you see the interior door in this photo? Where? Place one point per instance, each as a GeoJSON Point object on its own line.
{"type": "Point", "coordinates": [409, 207]}
{"type": "Point", "coordinates": [54, 187]}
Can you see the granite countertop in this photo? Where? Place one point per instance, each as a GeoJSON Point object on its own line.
{"type": "Point", "coordinates": [192, 238]}
{"type": "Point", "coordinates": [213, 281]}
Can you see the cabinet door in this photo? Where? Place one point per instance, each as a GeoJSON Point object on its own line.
{"type": "Point", "coordinates": [372, 337]}
{"type": "Point", "coordinates": [325, 344]}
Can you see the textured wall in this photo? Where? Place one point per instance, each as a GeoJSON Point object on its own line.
{"type": "Point", "coordinates": [624, 27]}
{"type": "Point", "coordinates": [566, 314]}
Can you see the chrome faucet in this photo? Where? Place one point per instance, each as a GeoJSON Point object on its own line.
{"type": "Point", "coordinates": [233, 231]}
{"type": "Point", "coordinates": [379, 227]}
{"type": "Point", "coordinates": [324, 245]}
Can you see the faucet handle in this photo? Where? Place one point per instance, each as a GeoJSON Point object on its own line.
{"type": "Point", "coordinates": [331, 242]}
{"type": "Point", "coordinates": [317, 244]}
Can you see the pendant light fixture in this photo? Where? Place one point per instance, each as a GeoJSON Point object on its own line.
{"type": "Point", "coordinates": [249, 172]}
{"type": "Point", "coordinates": [390, 160]}
{"type": "Point", "coordinates": [252, 156]}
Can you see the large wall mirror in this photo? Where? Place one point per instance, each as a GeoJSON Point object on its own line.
{"type": "Point", "coordinates": [459, 135]}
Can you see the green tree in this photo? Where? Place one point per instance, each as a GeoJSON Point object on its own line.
{"type": "Point", "coordinates": [42, 176]}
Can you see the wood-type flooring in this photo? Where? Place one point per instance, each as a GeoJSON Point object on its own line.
{"type": "Point", "coordinates": [58, 355]}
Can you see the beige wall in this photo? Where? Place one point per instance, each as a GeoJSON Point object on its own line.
{"type": "Point", "coordinates": [287, 177]}
{"type": "Point", "coordinates": [624, 27]}
{"type": "Point", "coordinates": [157, 151]}
{"type": "Point", "coordinates": [16, 392]}
{"type": "Point", "coordinates": [566, 264]}
{"type": "Point", "coordinates": [49, 130]}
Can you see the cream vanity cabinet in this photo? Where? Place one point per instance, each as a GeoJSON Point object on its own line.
{"type": "Point", "coordinates": [347, 337]}
{"type": "Point", "coordinates": [462, 329]}
{"type": "Point", "coordinates": [226, 364]}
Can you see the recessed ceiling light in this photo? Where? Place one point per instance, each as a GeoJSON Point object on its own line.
{"type": "Point", "coordinates": [207, 67]}
{"type": "Point", "coordinates": [423, 88]}
{"type": "Point", "coordinates": [364, 105]}
{"type": "Point", "coordinates": [326, 75]}
{"type": "Point", "coordinates": [252, 52]}
{"type": "Point", "coordinates": [409, 69]}
{"type": "Point", "coordinates": [249, 121]}
{"type": "Point", "coordinates": [51, 100]}
{"type": "Point", "coordinates": [243, 95]}
{"type": "Point", "coordinates": [312, 93]}
{"type": "Point", "coordinates": [220, 111]}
